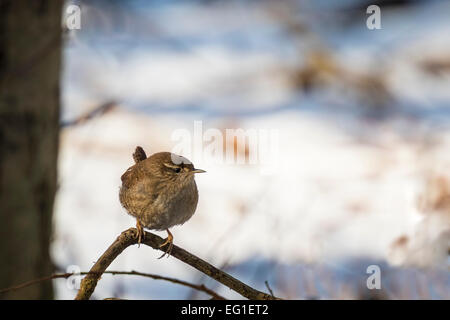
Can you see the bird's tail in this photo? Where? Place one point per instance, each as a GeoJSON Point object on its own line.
{"type": "Point", "coordinates": [139, 154]}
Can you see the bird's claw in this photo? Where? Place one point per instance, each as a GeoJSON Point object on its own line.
{"type": "Point", "coordinates": [169, 240]}
{"type": "Point", "coordinates": [140, 235]}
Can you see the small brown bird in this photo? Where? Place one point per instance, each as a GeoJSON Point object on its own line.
{"type": "Point", "coordinates": [160, 192]}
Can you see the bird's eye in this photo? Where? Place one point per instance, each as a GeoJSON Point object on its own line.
{"type": "Point", "coordinates": [177, 170]}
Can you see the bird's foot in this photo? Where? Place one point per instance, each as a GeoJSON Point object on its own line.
{"type": "Point", "coordinates": [140, 232]}
{"type": "Point", "coordinates": [169, 240]}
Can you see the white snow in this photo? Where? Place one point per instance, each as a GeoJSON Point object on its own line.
{"type": "Point", "coordinates": [344, 187]}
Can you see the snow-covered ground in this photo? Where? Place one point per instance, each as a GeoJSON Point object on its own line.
{"type": "Point", "coordinates": [348, 189]}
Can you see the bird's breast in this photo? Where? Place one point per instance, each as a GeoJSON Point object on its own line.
{"type": "Point", "coordinates": [172, 207]}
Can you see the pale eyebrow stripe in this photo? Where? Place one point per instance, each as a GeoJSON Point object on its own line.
{"type": "Point", "coordinates": [171, 165]}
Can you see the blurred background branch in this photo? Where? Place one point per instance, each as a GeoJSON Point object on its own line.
{"type": "Point", "coordinates": [95, 112]}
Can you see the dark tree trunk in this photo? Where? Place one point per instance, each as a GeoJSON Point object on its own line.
{"type": "Point", "coordinates": [30, 57]}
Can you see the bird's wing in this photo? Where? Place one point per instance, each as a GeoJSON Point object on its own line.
{"type": "Point", "coordinates": [137, 194]}
{"type": "Point", "coordinates": [132, 178]}
{"type": "Point", "coordinates": [129, 176]}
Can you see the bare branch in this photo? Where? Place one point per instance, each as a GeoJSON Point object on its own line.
{"type": "Point", "coordinates": [200, 287]}
{"type": "Point", "coordinates": [128, 238]}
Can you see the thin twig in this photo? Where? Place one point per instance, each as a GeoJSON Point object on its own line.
{"type": "Point", "coordinates": [268, 288]}
{"type": "Point", "coordinates": [200, 287]}
{"type": "Point", "coordinates": [128, 238]}
{"type": "Point", "coordinates": [31, 282]}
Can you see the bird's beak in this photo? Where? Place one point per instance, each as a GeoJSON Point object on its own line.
{"type": "Point", "coordinates": [198, 171]}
